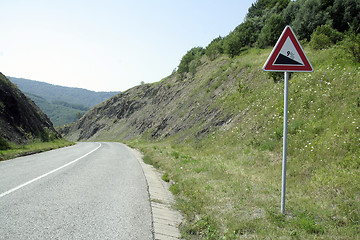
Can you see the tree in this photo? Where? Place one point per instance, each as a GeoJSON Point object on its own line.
{"type": "Point", "coordinates": [352, 44]}
{"type": "Point", "coordinates": [215, 48]}
{"type": "Point", "coordinates": [271, 31]}
{"type": "Point", "coordinates": [243, 35]}
{"type": "Point", "coordinates": [193, 54]}
{"type": "Point", "coordinates": [257, 8]}
{"type": "Point", "coordinates": [345, 13]}
{"type": "Point", "coordinates": [309, 16]}
{"type": "Point", "coordinates": [324, 36]}
{"type": "Point", "coordinates": [233, 44]}
{"type": "Point", "coordinates": [78, 115]}
{"type": "Point", "coordinates": [290, 12]}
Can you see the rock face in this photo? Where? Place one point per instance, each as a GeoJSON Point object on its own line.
{"type": "Point", "coordinates": [175, 105]}
{"type": "Point", "coordinates": [20, 119]}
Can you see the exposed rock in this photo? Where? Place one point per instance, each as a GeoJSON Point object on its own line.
{"type": "Point", "coordinates": [20, 119]}
{"type": "Point", "coordinates": [159, 110]}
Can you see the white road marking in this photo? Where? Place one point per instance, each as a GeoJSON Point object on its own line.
{"type": "Point", "coordinates": [46, 174]}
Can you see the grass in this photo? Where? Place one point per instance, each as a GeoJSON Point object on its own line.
{"type": "Point", "coordinates": [228, 182]}
{"type": "Point", "coordinates": [31, 148]}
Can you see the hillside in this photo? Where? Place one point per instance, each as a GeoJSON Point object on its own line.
{"type": "Point", "coordinates": [59, 112]}
{"type": "Point", "coordinates": [62, 105]}
{"type": "Point", "coordinates": [233, 106]}
{"type": "Point", "coordinates": [20, 119]}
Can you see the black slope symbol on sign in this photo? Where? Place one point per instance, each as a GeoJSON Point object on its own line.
{"type": "Point", "coordinates": [282, 59]}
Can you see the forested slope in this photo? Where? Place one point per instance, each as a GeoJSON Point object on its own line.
{"type": "Point", "coordinates": [62, 105]}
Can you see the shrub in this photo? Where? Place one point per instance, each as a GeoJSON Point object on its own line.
{"type": "Point", "coordinates": [4, 145]}
{"type": "Point", "coordinates": [271, 31]}
{"type": "Point", "coordinates": [165, 177]}
{"type": "Point", "coordinates": [324, 36]}
{"type": "Point", "coordinates": [320, 41]}
{"type": "Point", "coordinates": [352, 45]}
{"type": "Point", "coordinates": [193, 54]}
{"type": "Point", "coordinates": [215, 48]}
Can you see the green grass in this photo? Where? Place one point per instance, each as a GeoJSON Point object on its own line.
{"type": "Point", "coordinates": [228, 183]}
{"type": "Point", "coordinates": [31, 148]}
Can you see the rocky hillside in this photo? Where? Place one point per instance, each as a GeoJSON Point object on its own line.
{"type": "Point", "coordinates": [20, 119]}
{"type": "Point", "coordinates": [172, 106]}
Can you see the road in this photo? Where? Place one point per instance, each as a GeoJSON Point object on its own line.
{"type": "Point", "coordinates": [86, 191]}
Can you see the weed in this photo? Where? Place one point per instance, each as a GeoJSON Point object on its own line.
{"type": "Point", "coordinates": [165, 177]}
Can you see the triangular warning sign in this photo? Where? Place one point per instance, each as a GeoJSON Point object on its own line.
{"type": "Point", "coordinates": [288, 55]}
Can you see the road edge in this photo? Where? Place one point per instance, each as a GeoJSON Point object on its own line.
{"type": "Point", "coordinates": [165, 219]}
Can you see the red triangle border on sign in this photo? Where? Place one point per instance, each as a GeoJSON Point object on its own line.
{"type": "Point", "coordinates": [270, 66]}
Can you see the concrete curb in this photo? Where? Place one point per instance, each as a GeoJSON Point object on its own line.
{"type": "Point", "coordinates": [165, 219]}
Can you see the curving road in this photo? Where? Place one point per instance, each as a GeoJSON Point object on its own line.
{"type": "Point", "coordinates": [86, 191]}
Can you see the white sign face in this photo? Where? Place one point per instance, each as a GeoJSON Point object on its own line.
{"type": "Point", "coordinates": [288, 54]}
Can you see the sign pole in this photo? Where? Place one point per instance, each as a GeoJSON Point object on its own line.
{"type": "Point", "coordinates": [287, 56]}
{"type": "Point", "coordinates": [283, 183]}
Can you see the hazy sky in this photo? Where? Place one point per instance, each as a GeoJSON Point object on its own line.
{"type": "Point", "coordinates": [108, 45]}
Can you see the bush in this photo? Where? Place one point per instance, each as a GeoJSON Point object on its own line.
{"type": "Point", "coordinates": [320, 41]}
{"type": "Point", "coordinates": [308, 17]}
{"type": "Point", "coordinates": [4, 145]}
{"type": "Point", "coordinates": [215, 48]}
{"type": "Point", "coordinates": [193, 54]}
{"type": "Point", "coordinates": [352, 45]}
{"type": "Point", "coordinates": [245, 34]}
{"type": "Point", "coordinates": [324, 36]}
{"type": "Point", "coordinates": [271, 32]}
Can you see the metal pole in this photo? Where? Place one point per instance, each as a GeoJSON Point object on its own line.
{"type": "Point", "coordinates": [283, 183]}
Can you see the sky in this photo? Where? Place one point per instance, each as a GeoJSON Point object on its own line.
{"type": "Point", "coordinates": [108, 45]}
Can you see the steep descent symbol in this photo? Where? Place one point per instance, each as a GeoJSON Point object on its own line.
{"type": "Point", "coordinates": [287, 55]}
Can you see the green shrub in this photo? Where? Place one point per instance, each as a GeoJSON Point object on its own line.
{"type": "Point", "coordinates": [352, 45]}
{"type": "Point", "coordinates": [4, 145]}
{"type": "Point", "coordinates": [194, 54]}
{"type": "Point", "coordinates": [165, 177]}
{"type": "Point", "coordinates": [215, 48]}
{"type": "Point", "coordinates": [271, 31]}
{"type": "Point", "coordinates": [324, 37]}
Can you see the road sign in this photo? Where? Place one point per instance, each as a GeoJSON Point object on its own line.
{"type": "Point", "coordinates": [288, 55]}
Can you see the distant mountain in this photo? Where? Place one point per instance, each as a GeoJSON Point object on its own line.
{"type": "Point", "coordinates": [60, 113]}
{"type": "Point", "coordinates": [63, 105]}
{"type": "Point", "coordinates": [20, 119]}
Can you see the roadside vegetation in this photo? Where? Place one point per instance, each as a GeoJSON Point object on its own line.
{"type": "Point", "coordinates": [10, 150]}
{"type": "Point", "coordinates": [227, 181]}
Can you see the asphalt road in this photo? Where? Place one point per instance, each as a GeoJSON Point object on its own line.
{"type": "Point", "coordinates": [87, 191]}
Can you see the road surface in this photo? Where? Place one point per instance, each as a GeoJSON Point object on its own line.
{"type": "Point", "coordinates": [86, 191]}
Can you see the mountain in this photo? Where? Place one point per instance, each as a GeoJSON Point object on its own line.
{"type": "Point", "coordinates": [63, 105]}
{"type": "Point", "coordinates": [20, 119]}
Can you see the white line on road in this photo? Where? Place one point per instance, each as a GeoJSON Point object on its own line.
{"type": "Point", "coordinates": [46, 174]}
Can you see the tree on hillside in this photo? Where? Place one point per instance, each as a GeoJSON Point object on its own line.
{"type": "Point", "coordinates": [308, 17]}
{"type": "Point", "coordinates": [257, 9]}
{"type": "Point", "coordinates": [191, 60]}
{"type": "Point", "coordinates": [243, 35]}
{"type": "Point", "coordinates": [271, 31]}
{"type": "Point", "coordinates": [346, 13]}
{"type": "Point", "coordinates": [215, 48]}
{"type": "Point", "coordinates": [324, 37]}
{"type": "Point", "coordinates": [290, 12]}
